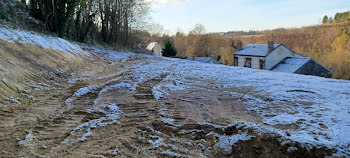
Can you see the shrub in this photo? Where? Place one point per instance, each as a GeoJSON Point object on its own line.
{"type": "Point", "coordinates": [169, 49]}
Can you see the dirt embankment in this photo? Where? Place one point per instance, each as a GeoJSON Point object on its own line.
{"type": "Point", "coordinates": [26, 68]}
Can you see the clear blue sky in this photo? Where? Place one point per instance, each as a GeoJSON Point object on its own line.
{"type": "Point", "coordinates": [228, 15]}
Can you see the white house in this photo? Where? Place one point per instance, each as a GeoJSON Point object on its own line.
{"type": "Point", "coordinates": [155, 47]}
{"type": "Point", "coordinates": [277, 57]}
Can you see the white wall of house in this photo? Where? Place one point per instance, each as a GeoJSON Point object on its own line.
{"type": "Point", "coordinates": [276, 56]}
{"type": "Point", "coordinates": [271, 60]}
{"type": "Point", "coordinates": [157, 50]}
{"type": "Point", "coordinates": [255, 61]}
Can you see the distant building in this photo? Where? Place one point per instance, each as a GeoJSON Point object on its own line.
{"type": "Point", "coordinates": [277, 57]}
{"type": "Point", "coordinates": [155, 47]}
{"type": "Point", "coordinates": [204, 60]}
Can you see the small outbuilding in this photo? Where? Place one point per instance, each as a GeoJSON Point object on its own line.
{"type": "Point", "coordinates": [155, 47]}
{"type": "Point", "coordinates": [302, 65]}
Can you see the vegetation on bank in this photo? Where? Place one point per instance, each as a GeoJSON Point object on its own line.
{"type": "Point", "coordinates": [109, 21]}
{"type": "Point", "coordinates": [114, 23]}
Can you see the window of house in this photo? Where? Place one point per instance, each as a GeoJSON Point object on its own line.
{"type": "Point", "coordinates": [262, 64]}
{"type": "Point", "coordinates": [236, 61]}
{"type": "Point", "coordinates": [248, 62]}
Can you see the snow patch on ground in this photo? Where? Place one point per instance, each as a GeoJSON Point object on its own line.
{"type": "Point", "coordinates": [163, 112]}
{"type": "Point", "coordinates": [162, 90]}
{"type": "Point", "coordinates": [118, 86]}
{"type": "Point", "coordinates": [157, 143]}
{"type": "Point", "coordinates": [28, 139]}
{"type": "Point", "coordinates": [4, 80]}
{"type": "Point", "coordinates": [171, 154]}
{"type": "Point", "coordinates": [283, 119]}
{"type": "Point", "coordinates": [13, 99]}
{"type": "Point", "coordinates": [85, 135]}
{"type": "Point", "coordinates": [81, 92]}
{"type": "Point", "coordinates": [41, 87]}
{"type": "Point", "coordinates": [112, 114]}
{"type": "Point", "coordinates": [170, 121]}
{"type": "Point", "coordinates": [74, 80]}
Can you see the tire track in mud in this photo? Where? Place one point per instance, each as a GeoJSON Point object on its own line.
{"type": "Point", "coordinates": [84, 111]}
{"type": "Point", "coordinates": [138, 106]}
{"type": "Point", "coordinates": [47, 119]}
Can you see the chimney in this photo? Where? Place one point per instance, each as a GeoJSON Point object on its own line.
{"type": "Point", "coordinates": [239, 45]}
{"type": "Point", "coordinates": [270, 46]}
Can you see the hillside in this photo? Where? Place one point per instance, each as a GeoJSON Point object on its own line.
{"type": "Point", "coordinates": [64, 99]}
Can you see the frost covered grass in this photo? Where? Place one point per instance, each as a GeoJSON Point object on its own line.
{"type": "Point", "coordinates": [318, 106]}
{"type": "Point", "coordinates": [110, 54]}
{"type": "Point", "coordinates": [44, 41]}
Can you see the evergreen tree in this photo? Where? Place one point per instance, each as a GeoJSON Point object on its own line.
{"type": "Point", "coordinates": [169, 49]}
{"type": "Point", "coordinates": [218, 58]}
{"type": "Point", "coordinates": [325, 19]}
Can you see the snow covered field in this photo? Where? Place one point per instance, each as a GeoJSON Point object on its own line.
{"type": "Point", "coordinates": [320, 107]}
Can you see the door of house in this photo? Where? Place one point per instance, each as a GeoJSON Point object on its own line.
{"type": "Point", "coordinates": [236, 61]}
{"type": "Point", "coordinates": [262, 64]}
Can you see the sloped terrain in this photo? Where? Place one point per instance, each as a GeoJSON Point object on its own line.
{"type": "Point", "coordinates": [61, 99]}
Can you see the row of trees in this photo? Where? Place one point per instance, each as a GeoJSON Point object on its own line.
{"type": "Point", "coordinates": [338, 17]}
{"type": "Point", "coordinates": [109, 21]}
